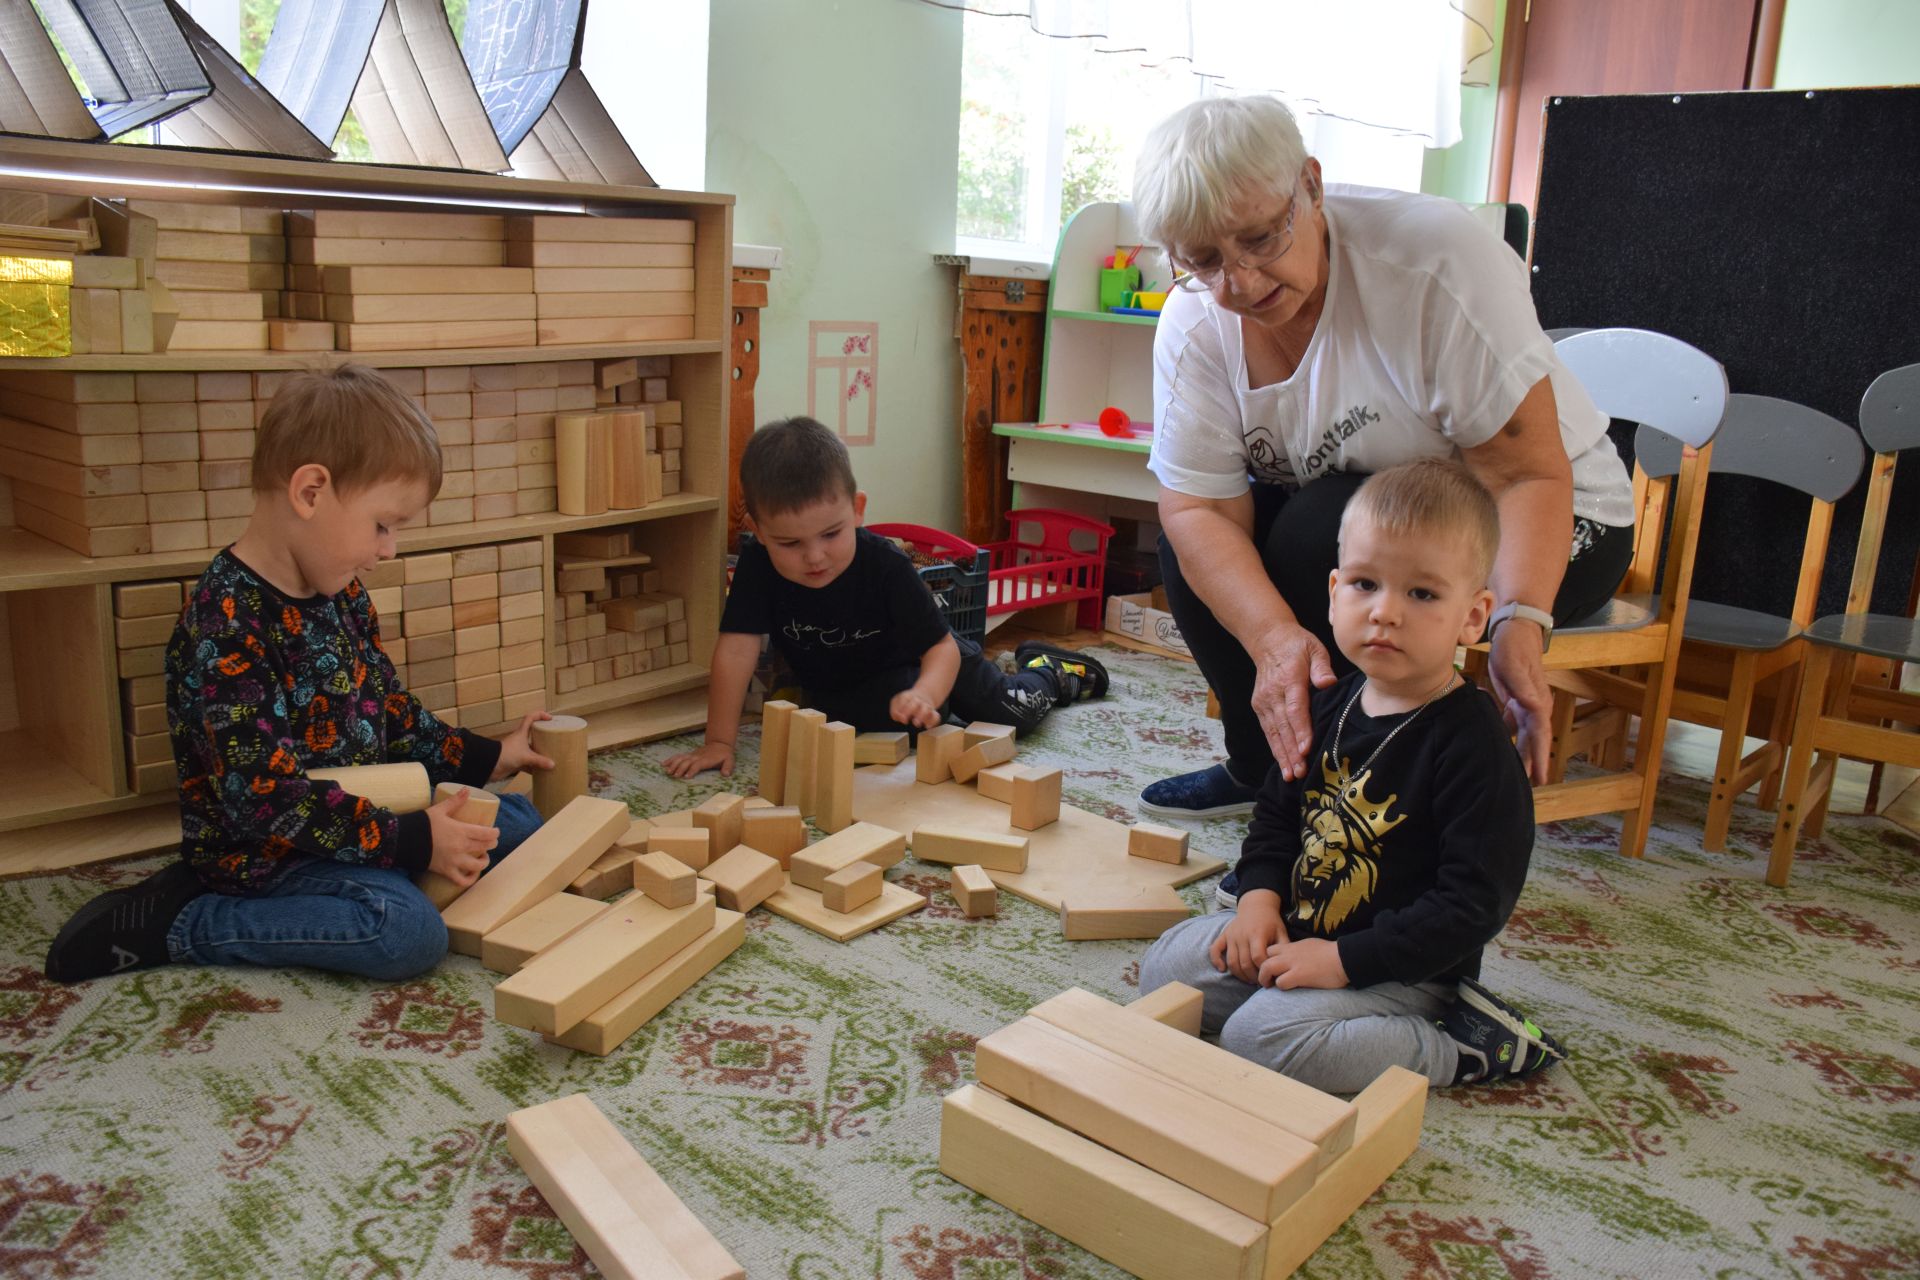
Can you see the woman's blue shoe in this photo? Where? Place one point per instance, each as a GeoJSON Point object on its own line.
{"type": "Point", "coordinates": [1205, 793]}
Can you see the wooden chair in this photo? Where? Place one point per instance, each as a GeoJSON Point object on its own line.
{"type": "Point", "coordinates": [1663, 385]}
{"type": "Point", "coordinates": [1828, 719]}
{"type": "Point", "coordinates": [1730, 655]}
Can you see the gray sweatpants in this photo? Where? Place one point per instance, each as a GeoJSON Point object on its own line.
{"type": "Point", "coordinates": [1337, 1041]}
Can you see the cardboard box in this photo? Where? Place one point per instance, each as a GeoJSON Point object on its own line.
{"type": "Point", "coordinates": [1143, 620]}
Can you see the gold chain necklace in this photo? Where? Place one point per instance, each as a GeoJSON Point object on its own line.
{"type": "Point", "coordinates": [1353, 779]}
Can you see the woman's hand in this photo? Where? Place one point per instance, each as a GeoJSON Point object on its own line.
{"type": "Point", "coordinates": [1288, 668]}
{"type": "Point", "coordinates": [1520, 687]}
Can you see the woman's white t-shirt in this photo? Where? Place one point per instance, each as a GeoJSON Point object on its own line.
{"type": "Point", "coordinates": [1426, 344]}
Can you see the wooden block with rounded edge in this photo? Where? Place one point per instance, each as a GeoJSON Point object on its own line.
{"type": "Point", "coordinates": [854, 885]}
{"type": "Point", "coordinates": [996, 782]}
{"type": "Point", "coordinates": [562, 739]}
{"type": "Point", "coordinates": [879, 748]}
{"type": "Point", "coordinates": [566, 982]}
{"type": "Point", "coordinates": [1162, 844]}
{"type": "Point", "coordinates": [986, 752]}
{"type": "Point", "coordinates": [611, 872]}
{"type": "Point", "coordinates": [402, 788]}
{"type": "Point", "coordinates": [973, 889]}
{"type": "Point", "coordinates": [1036, 799]}
{"type": "Point", "coordinates": [664, 878]}
{"type": "Point", "coordinates": [980, 730]}
{"type": "Point", "coordinates": [691, 845]}
{"type": "Point", "coordinates": [1175, 1005]}
{"type": "Point", "coordinates": [833, 776]}
{"type": "Point", "coordinates": [743, 878]}
{"type": "Point", "coordinates": [722, 815]}
{"type": "Point", "coordinates": [626, 1219]}
{"type": "Point", "coordinates": [934, 752]}
{"type": "Point", "coordinates": [1137, 1219]}
{"type": "Point", "coordinates": [861, 842]}
{"type": "Point", "coordinates": [603, 1030]}
{"type": "Point", "coordinates": [776, 723]}
{"type": "Point", "coordinates": [1119, 911]}
{"type": "Point", "coordinates": [508, 948]}
{"type": "Point", "coordinates": [775, 830]}
{"type": "Point", "coordinates": [563, 846]}
{"type": "Point", "coordinates": [994, 850]}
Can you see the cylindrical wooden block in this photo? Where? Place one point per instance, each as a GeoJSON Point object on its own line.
{"type": "Point", "coordinates": [599, 463]}
{"type": "Point", "coordinates": [562, 740]}
{"type": "Point", "coordinates": [570, 435]}
{"type": "Point", "coordinates": [402, 788]}
{"type": "Point", "coordinates": [629, 453]}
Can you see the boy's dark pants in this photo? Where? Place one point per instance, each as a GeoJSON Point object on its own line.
{"type": "Point", "coordinates": [982, 691]}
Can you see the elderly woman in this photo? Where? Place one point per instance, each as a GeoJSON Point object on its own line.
{"type": "Point", "coordinates": [1320, 334]}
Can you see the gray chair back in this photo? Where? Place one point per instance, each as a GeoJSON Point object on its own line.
{"type": "Point", "coordinates": [1650, 379]}
{"type": "Point", "coordinates": [1890, 411]}
{"type": "Point", "coordinates": [1770, 439]}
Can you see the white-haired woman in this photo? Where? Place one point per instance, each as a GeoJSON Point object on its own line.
{"type": "Point", "coordinates": [1321, 334]}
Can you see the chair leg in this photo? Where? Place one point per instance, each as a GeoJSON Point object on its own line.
{"type": "Point", "coordinates": [1839, 694]}
{"type": "Point", "coordinates": [1648, 750]}
{"type": "Point", "coordinates": [1780, 730]}
{"type": "Point", "coordinates": [1733, 741]}
{"type": "Point", "coordinates": [1563, 704]}
{"type": "Point", "coordinates": [1793, 789]}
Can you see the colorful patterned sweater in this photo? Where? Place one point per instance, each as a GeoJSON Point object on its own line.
{"type": "Point", "coordinates": [261, 688]}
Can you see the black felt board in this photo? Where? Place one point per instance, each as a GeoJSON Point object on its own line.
{"type": "Point", "coordinates": [1780, 233]}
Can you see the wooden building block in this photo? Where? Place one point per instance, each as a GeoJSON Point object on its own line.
{"type": "Point", "coordinates": [548, 921]}
{"type": "Point", "coordinates": [854, 885]}
{"type": "Point", "coordinates": [627, 1220]}
{"type": "Point", "coordinates": [146, 599]}
{"type": "Point", "coordinates": [1120, 911]}
{"type": "Point", "coordinates": [564, 846]}
{"type": "Point", "coordinates": [1036, 799]}
{"type": "Point", "coordinates": [957, 846]}
{"type": "Point", "coordinates": [775, 830]}
{"type": "Point", "coordinates": [603, 1030]}
{"type": "Point", "coordinates": [743, 878]}
{"type": "Point", "coordinates": [402, 788]}
{"type": "Point", "coordinates": [722, 816]}
{"type": "Point", "coordinates": [987, 751]}
{"type": "Point", "coordinates": [1139, 1220]}
{"type": "Point", "coordinates": [973, 889]}
{"type": "Point", "coordinates": [1162, 844]}
{"type": "Point", "coordinates": [299, 335]}
{"type": "Point", "coordinates": [802, 735]}
{"type": "Point", "coordinates": [1308, 1114]}
{"type": "Point", "coordinates": [664, 878]}
{"type": "Point", "coordinates": [1250, 1165]}
{"type": "Point", "coordinates": [934, 752]}
{"type": "Point", "coordinates": [566, 982]}
{"type": "Point", "coordinates": [1175, 1005]}
{"type": "Point", "coordinates": [981, 730]}
{"type": "Point", "coordinates": [880, 748]}
{"type": "Point", "coordinates": [805, 907]}
{"type": "Point", "coordinates": [861, 842]}
{"type": "Point", "coordinates": [996, 781]}
{"type": "Point", "coordinates": [611, 872]}
{"type": "Point", "coordinates": [690, 845]}
{"type": "Point", "coordinates": [562, 739]}
{"type": "Point", "coordinates": [833, 776]}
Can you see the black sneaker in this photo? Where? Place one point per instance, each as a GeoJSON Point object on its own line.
{"type": "Point", "coordinates": [123, 929]}
{"type": "Point", "coordinates": [1496, 1040]}
{"type": "Point", "coordinates": [1204, 793]}
{"type": "Point", "coordinates": [1083, 676]}
{"type": "Point", "coordinates": [1227, 892]}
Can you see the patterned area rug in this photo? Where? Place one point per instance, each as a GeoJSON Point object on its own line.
{"type": "Point", "coordinates": [1744, 1098]}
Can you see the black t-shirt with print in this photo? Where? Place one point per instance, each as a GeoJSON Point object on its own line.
{"type": "Point", "coordinates": [878, 614]}
{"type": "Point", "coordinates": [1419, 867]}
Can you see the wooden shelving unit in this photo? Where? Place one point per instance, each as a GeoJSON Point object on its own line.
{"type": "Point", "coordinates": [68, 798]}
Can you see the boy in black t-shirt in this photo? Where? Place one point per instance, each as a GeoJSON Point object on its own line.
{"type": "Point", "coordinates": [1367, 889]}
{"type": "Point", "coordinates": [848, 612]}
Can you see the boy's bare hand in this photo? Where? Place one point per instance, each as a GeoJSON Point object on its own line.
{"type": "Point", "coordinates": [516, 749]}
{"type": "Point", "coordinates": [1310, 962]}
{"type": "Point", "coordinates": [459, 848]}
{"type": "Point", "coordinates": [910, 706]}
{"type": "Point", "coordinates": [711, 755]}
{"type": "Point", "coordinates": [1242, 945]}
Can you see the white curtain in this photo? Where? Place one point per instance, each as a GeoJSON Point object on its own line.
{"type": "Point", "coordinates": [1392, 65]}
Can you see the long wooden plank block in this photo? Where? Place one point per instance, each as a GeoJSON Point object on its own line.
{"type": "Point", "coordinates": [390, 224]}
{"type": "Point", "coordinates": [448, 335]}
{"type": "Point", "coordinates": [547, 922]}
{"type": "Point", "coordinates": [962, 846]}
{"type": "Point", "coordinates": [1391, 1110]}
{"type": "Point", "coordinates": [626, 1218]}
{"type": "Point", "coordinates": [425, 279]}
{"type": "Point", "coordinates": [602, 230]}
{"type": "Point", "coordinates": [861, 842]}
{"type": "Point", "coordinates": [1319, 1118]}
{"type": "Point", "coordinates": [833, 776]}
{"type": "Point", "coordinates": [1135, 1218]}
{"type": "Point", "coordinates": [606, 1028]}
{"type": "Point", "coordinates": [545, 862]}
{"type": "Point", "coordinates": [382, 308]}
{"type": "Point", "coordinates": [806, 907]}
{"type": "Point", "coordinates": [1249, 1165]}
{"type": "Point", "coordinates": [803, 734]}
{"type": "Point", "coordinates": [567, 982]}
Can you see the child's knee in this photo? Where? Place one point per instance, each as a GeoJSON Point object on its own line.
{"type": "Point", "coordinates": [1180, 954]}
{"type": "Point", "coordinates": [412, 941]}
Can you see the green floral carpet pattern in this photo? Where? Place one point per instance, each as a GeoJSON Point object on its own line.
{"type": "Point", "coordinates": [1744, 1099]}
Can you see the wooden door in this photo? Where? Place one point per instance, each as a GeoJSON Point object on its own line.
{"type": "Point", "coordinates": [1618, 46]}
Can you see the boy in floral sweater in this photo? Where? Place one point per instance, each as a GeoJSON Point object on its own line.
{"type": "Point", "coordinates": [276, 668]}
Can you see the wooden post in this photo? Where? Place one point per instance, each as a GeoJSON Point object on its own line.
{"type": "Point", "coordinates": [570, 450]}
{"type": "Point", "coordinates": [627, 465]}
{"type": "Point", "coordinates": [563, 739]}
{"type": "Point", "coordinates": [776, 724]}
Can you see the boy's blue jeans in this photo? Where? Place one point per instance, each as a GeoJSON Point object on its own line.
{"type": "Point", "coordinates": [354, 919]}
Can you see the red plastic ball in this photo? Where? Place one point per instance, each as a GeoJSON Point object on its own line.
{"type": "Point", "coordinates": [1115, 422]}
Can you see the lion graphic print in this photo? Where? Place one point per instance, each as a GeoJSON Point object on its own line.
{"type": "Point", "coordinates": [1341, 829]}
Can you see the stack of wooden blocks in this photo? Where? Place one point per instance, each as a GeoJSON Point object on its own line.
{"type": "Point", "coordinates": [465, 629]}
{"type": "Point", "coordinates": [224, 264]}
{"type": "Point", "coordinates": [144, 614]}
{"type": "Point", "coordinates": [606, 279]}
{"type": "Point", "coordinates": [611, 619]}
{"type": "Point", "coordinates": [626, 453]}
{"type": "Point", "coordinates": [1166, 1155]}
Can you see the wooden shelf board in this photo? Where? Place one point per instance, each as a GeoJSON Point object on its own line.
{"type": "Point", "coordinates": [1104, 317]}
{"type": "Point", "coordinates": [140, 824]}
{"type": "Point", "coordinates": [227, 361]}
{"type": "Point", "coordinates": [616, 693]}
{"type": "Point", "coordinates": [42, 788]}
{"type": "Point", "coordinates": [660, 717]}
{"type": "Point", "coordinates": [1069, 435]}
{"type": "Point", "coordinates": [28, 560]}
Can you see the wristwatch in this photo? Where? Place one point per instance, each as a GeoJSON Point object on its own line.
{"type": "Point", "coordinates": [1525, 612]}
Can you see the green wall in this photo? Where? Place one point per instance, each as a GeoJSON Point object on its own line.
{"type": "Point", "coordinates": [1459, 172]}
{"type": "Point", "coordinates": [836, 126]}
{"type": "Point", "coordinates": [1842, 43]}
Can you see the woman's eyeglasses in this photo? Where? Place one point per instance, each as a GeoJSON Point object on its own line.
{"type": "Point", "coordinates": [1255, 254]}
